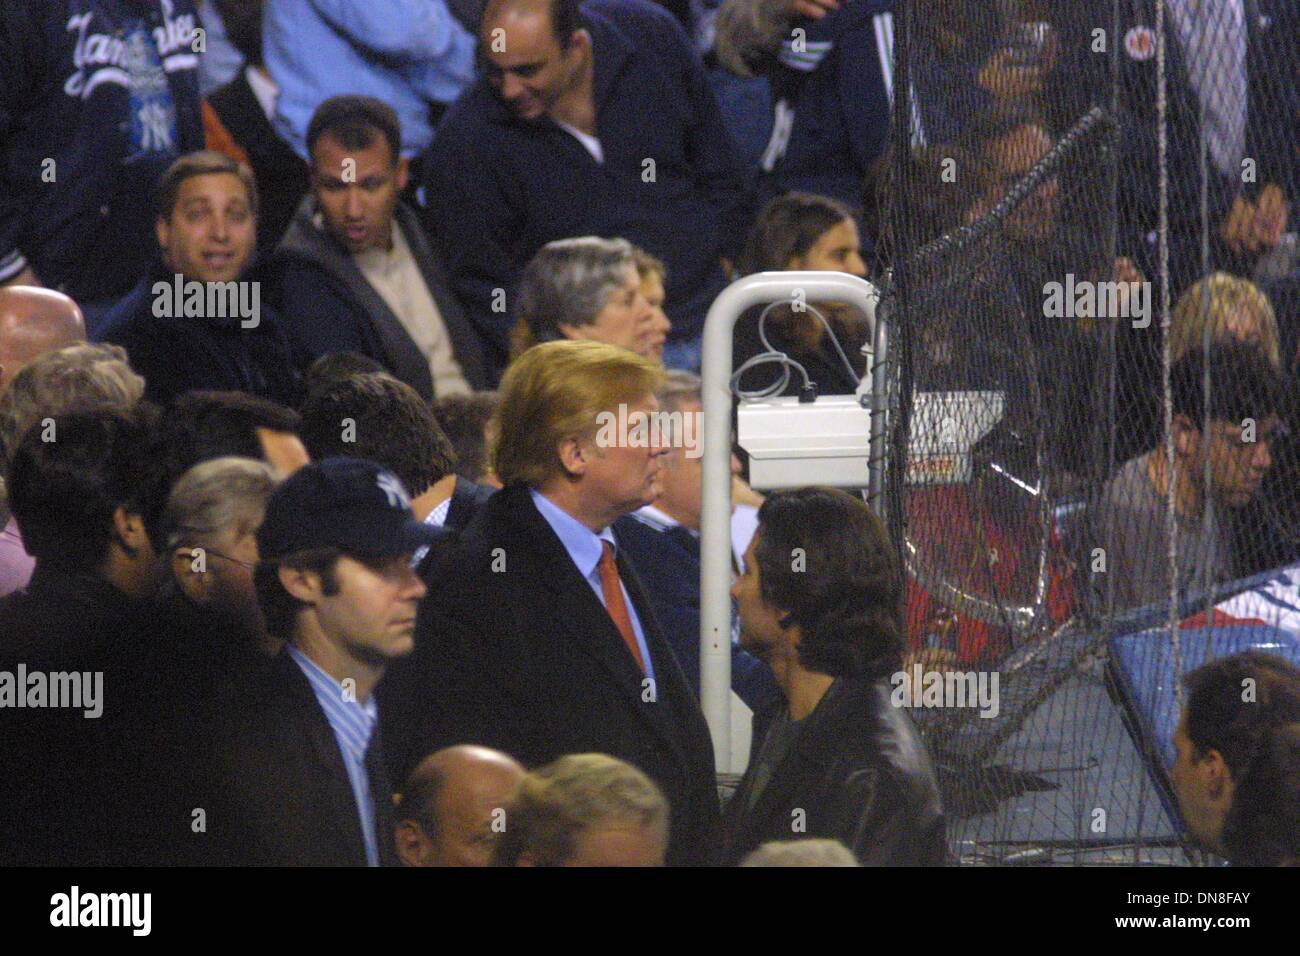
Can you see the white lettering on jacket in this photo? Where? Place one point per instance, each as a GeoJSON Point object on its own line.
{"type": "Point", "coordinates": [105, 58]}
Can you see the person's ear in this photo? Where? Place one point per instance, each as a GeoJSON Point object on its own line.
{"type": "Point", "coordinates": [412, 844]}
{"type": "Point", "coordinates": [192, 577]}
{"type": "Point", "coordinates": [575, 456]}
{"type": "Point", "coordinates": [130, 530]}
{"type": "Point", "coordinates": [302, 583]}
{"type": "Point", "coordinates": [579, 44]}
{"type": "Point", "coordinates": [403, 173]}
{"type": "Point", "coordinates": [570, 331]}
{"type": "Point", "coordinates": [163, 231]}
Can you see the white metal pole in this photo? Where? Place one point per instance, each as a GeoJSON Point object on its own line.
{"type": "Point", "coordinates": [715, 517]}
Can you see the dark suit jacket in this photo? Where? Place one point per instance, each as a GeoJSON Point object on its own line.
{"type": "Point", "coordinates": [465, 502]}
{"type": "Point", "coordinates": [329, 306]}
{"type": "Point", "coordinates": [178, 354]}
{"type": "Point", "coordinates": [515, 651]}
{"type": "Point", "coordinates": [466, 499]}
{"type": "Point", "coordinates": [859, 773]}
{"type": "Point", "coordinates": [64, 798]}
{"type": "Point", "coordinates": [281, 795]}
{"type": "Point", "coordinates": [667, 561]}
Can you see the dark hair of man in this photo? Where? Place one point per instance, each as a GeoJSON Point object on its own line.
{"type": "Point", "coordinates": [566, 20]}
{"type": "Point", "coordinates": [328, 369]}
{"type": "Point", "coordinates": [826, 560]}
{"type": "Point", "coordinates": [464, 420]}
{"type": "Point", "coordinates": [64, 492]}
{"type": "Point", "coordinates": [1257, 740]}
{"type": "Point", "coordinates": [199, 426]}
{"type": "Point", "coordinates": [243, 22]}
{"type": "Point", "coordinates": [353, 121]}
{"type": "Point", "coordinates": [205, 162]}
{"type": "Point", "coordinates": [1242, 384]}
{"type": "Point", "coordinates": [420, 799]}
{"type": "Point", "coordinates": [377, 417]}
{"type": "Point", "coordinates": [279, 607]}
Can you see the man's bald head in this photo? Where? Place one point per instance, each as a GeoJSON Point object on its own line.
{"type": "Point", "coordinates": [561, 16]}
{"type": "Point", "coordinates": [452, 807]}
{"type": "Point", "coordinates": [536, 57]}
{"type": "Point", "coordinates": [34, 321]}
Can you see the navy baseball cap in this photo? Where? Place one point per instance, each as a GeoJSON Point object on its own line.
{"type": "Point", "coordinates": [346, 503]}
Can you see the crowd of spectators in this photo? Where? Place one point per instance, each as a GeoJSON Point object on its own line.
{"type": "Point", "coordinates": [308, 312]}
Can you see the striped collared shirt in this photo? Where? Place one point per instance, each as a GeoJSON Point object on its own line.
{"type": "Point", "coordinates": [353, 724]}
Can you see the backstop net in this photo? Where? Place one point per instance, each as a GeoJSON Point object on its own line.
{"type": "Point", "coordinates": [1091, 284]}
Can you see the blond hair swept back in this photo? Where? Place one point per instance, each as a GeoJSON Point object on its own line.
{"type": "Point", "coordinates": [1215, 300]}
{"type": "Point", "coordinates": [557, 803]}
{"type": "Point", "coordinates": [554, 392]}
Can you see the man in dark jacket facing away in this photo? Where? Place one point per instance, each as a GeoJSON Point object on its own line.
{"type": "Point", "coordinates": [538, 640]}
{"type": "Point", "coordinates": [97, 98]}
{"type": "Point", "coordinates": [198, 320]}
{"type": "Point", "coordinates": [820, 600]}
{"type": "Point", "coordinates": [81, 487]}
{"type": "Point", "coordinates": [355, 272]}
{"type": "Point", "coordinates": [375, 416]}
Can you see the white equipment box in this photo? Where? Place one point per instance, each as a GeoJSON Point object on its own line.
{"type": "Point", "coordinates": [828, 442]}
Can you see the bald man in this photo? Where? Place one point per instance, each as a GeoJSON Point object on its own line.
{"type": "Point", "coordinates": [34, 321]}
{"type": "Point", "coordinates": [451, 812]}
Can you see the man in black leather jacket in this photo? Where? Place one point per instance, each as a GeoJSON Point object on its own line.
{"type": "Point", "coordinates": [820, 601]}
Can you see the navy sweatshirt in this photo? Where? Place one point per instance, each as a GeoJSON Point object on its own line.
{"type": "Point", "coordinates": [97, 98]}
{"type": "Point", "coordinates": [498, 189]}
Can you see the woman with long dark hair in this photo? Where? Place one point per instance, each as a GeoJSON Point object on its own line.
{"type": "Point", "coordinates": [795, 232]}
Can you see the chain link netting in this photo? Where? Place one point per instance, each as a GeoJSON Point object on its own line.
{"type": "Point", "coordinates": [1070, 419]}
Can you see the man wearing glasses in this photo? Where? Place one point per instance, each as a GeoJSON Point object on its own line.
{"type": "Point", "coordinates": [1220, 460]}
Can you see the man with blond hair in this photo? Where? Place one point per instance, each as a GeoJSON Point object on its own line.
{"type": "Point", "coordinates": [1233, 308]}
{"type": "Point", "coordinates": [543, 643]}
{"type": "Point", "coordinates": [584, 810]}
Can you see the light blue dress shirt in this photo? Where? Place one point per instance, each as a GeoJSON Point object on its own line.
{"type": "Point", "coordinates": [353, 725]}
{"type": "Point", "coordinates": [585, 549]}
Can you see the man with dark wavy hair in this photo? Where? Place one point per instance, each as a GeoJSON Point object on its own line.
{"type": "Point", "coordinates": [821, 602]}
{"type": "Point", "coordinates": [1237, 773]}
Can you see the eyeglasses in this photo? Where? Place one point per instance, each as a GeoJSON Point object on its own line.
{"type": "Point", "coordinates": [194, 552]}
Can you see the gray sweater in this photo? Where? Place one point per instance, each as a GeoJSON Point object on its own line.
{"type": "Point", "coordinates": [1129, 523]}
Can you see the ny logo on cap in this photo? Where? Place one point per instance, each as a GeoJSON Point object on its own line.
{"type": "Point", "coordinates": [393, 491]}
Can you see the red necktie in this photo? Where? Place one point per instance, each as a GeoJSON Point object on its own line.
{"type": "Point", "coordinates": [614, 603]}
